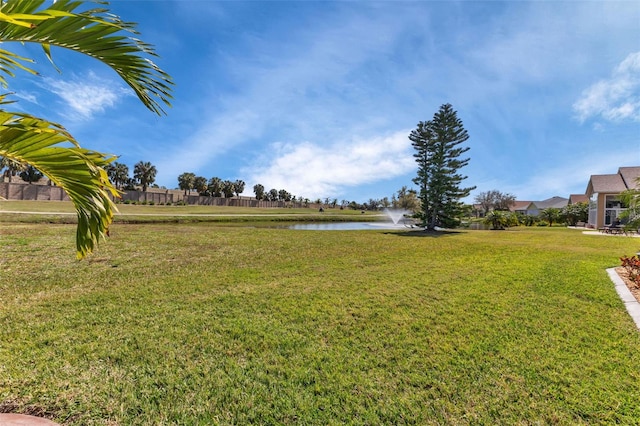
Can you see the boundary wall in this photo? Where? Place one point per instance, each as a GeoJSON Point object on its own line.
{"type": "Point", "coordinates": [26, 192]}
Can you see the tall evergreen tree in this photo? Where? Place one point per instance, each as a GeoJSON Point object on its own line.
{"type": "Point", "coordinates": [437, 144]}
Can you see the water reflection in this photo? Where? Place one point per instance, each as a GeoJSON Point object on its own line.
{"type": "Point", "coordinates": [346, 226]}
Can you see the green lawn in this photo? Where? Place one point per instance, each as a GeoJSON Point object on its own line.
{"type": "Point", "coordinates": [207, 324]}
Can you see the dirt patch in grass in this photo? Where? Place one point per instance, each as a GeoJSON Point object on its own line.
{"type": "Point", "coordinates": [14, 407]}
{"type": "Point", "coordinates": [633, 288]}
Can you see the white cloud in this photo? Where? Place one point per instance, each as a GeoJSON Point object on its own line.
{"type": "Point", "coordinates": [88, 95]}
{"type": "Point", "coordinates": [616, 98]}
{"type": "Point", "coordinates": [307, 87]}
{"type": "Point", "coordinates": [29, 97]}
{"type": "Point", "coordinates": [313, 171]}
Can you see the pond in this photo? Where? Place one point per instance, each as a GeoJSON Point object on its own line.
{"type": "Point", "coordinates": [347, 226]}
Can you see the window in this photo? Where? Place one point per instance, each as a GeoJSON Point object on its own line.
{"type": "Point", "coordinates": [612, 208]}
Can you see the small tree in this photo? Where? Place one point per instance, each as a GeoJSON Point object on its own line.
{"type": "Point", "coordinates": [574, 213]}
{"type": "Point", "coordinates": [437, 144]}
{"type": "Point", "coordinates": [498, 219]}
{"type": "Point", "coordinates": [186, 181]}
{"type": "Point", "coordinates": [407, 199]}
{"type": "Point", "coordinates": [550, 214]}
{"type": "Point", "coordinates": [631, 199]}
{"type": "Point", "coordinates": [494, 200]}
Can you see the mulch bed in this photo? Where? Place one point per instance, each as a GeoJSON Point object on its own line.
{"type": "Point", "coordinates": [633, 288]}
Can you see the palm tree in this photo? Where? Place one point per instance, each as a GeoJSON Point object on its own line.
{"type": "Point", "coordinates": [186, 181]}
{"type": "Point", "coordinates": [258, 189]}
{"type": "Point", "coordinates": [200, 185]}
{"type": "Point", "coordinates": [498, 219]}
{"type": "Point", "coordinates": [48, 146]}
{"type": "Point", "coordinates": [238, 187]}
{"type": "Point", "coordinates": [12, 167]}
{"type": "Point", "coordinates": [228, 188]}
{"type": "Point", "coordinates": [215, 187]}
{"type": "Point", "coordinates": [118, 173]}
{"type": "Point", "coordinates": [30, 175]}
{"type": "Point", "coordinates": [145, 173]}
{"type": "Point", "coordinates": [550, 214]}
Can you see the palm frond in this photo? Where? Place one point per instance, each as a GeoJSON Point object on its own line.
{"type": "Point", "coordinates": [93, 32]}
{"type": "Point", "coordinates": [78, 171]}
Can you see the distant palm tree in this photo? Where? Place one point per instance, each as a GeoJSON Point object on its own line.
{"type": "Point", "coordinates": [238, 187]}
{"type": "Point", "coordinates": [258, 189]}
{"type": "Point", "coordinates": [121, 174]}
{"type": "Point", "coordinates": [31, 174]}
{"type": "Point", "coordinates": [228, 188]}
{"type": "Point", "coordinates": [11, 167]}
{"type": "Point", "coordinates": [215, 187]}
{"type": "Point", "coordinates": [144, 173]}
{"type": "Point", "coordinates": [200, 185]}
{"type": "Point", "coordinates": [48, 146]}
{"type": "Point", "coordinates": [186, 181]}
{"type": "Point", "coordinates": [118, 173]}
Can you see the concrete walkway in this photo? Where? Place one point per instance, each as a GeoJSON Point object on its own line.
{"type": "Point", "coordinates": [10, 419]}
{"type": "Point", "coordinates": [594, 232]}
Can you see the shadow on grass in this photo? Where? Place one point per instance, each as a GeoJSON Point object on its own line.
{"type": "Point", "coordinates": [425, 233]}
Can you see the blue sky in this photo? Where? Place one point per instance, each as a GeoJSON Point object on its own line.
{"type": "Point", "coordinates": [318, 97]}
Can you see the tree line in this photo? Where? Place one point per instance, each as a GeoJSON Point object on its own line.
{"type": "Point", "coordinates": [214, 187]}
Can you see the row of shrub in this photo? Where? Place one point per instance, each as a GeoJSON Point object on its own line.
{"type": "Point", "coordinates": [499, 219]}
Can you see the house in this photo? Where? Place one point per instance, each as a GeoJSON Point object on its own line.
{"type": "Point", "coordinates": [535, 207]}
{"type": "Point", "coordinates": [603, 192]}
{"type": "Point", "coordinates": [520, 207]}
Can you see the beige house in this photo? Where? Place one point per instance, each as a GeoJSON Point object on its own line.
{"type": "Point", "coordinates": [533, 208]}
{"type": "Point", "coordinates": [603, 192]}
{"type": "Point", "coordinates": [520, 206]}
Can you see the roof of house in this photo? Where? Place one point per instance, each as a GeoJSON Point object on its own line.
{"type": "Point", "coordinates": [555, 202]}
{"type": "Point", "coordinates": [605, 183]}
{"type": "Point", "coordinates": [626, 178]}
{"type": "Point", "coordinates": [630, 176]}
{"type": "Point", "coordinates": [578, 198]}
{"type": "Point", "coordinates": [519, 205]}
